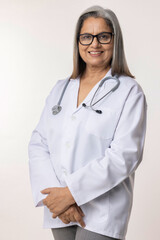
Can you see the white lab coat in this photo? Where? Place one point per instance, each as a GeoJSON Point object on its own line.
{"type": "Point", "coordinates": [95, 155]}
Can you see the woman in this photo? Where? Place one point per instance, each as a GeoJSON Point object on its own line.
{"type": "Point", "coordinates": [85, 150]}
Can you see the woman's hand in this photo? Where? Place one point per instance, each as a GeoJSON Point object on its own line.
{"type": "Point", "coordinates": [72, 214]}
{"type": "Point", "coordinates": [58, 200]}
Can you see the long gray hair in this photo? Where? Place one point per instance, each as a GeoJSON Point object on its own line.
{"type": "Point", "coordinates": [118, 62]}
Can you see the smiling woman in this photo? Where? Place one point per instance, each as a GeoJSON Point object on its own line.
{"type": "Point", "coordinates": [84, 159]}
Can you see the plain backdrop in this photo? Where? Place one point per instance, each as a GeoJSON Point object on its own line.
{"type": "Point", "coordinates": [36, 46]}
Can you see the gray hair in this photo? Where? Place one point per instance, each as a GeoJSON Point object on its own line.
{"type": "Point", "coordinates": [118, 63]}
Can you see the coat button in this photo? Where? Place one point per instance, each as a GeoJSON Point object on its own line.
{"type": "Point", "coordinates": [64, 171]}
{"type": "Point", "coordinates": [68, 144]}
{"type": "Point", "coordinates": [73, 118]}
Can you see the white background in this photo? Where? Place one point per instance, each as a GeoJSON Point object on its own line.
{"type": "Point", "coordinates": [36, 42]}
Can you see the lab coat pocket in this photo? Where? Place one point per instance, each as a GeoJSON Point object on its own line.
{"type": "Point", "coordinates": [102, 125]}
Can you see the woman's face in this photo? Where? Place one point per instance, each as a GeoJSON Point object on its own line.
{"type": "Point", "coordinates": [96, 55]}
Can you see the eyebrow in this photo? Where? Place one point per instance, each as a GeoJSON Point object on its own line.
{"type": "Point", "coordinates": [95, 34]}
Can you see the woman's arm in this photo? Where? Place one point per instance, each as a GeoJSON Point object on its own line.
{"type": "Point", "coordinates": [42, 174]}
{"type": "Point", "coordinates": [120, 161]}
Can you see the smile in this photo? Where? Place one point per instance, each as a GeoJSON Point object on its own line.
{"type": "Point", "coordinates": [96, 53]}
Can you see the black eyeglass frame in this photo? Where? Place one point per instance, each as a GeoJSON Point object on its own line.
{"type": "Point", "coordinates": [93, 36]}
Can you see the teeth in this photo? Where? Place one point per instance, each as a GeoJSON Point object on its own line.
{"type": "Point", "coordinates": [95, 52]}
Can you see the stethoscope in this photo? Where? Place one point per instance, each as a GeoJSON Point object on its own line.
{"type": "Point", "coordinates": [57, 108]}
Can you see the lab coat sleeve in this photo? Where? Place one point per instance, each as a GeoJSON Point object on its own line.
{"type": "Point", "coordinates": [41, 171]}
{"type": "Point", "coordinates": [121, 158]}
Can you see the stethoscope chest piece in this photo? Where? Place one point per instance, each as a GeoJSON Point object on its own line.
{"type": "Point", "coordinates": [56, 109]}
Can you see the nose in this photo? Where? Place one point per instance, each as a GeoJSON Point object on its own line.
{"type": "Point", "coordinates": [95, 42]}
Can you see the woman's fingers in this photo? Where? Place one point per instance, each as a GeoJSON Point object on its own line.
{"type": "Point", "coordinates": [79, 218]}
{"type": "Point", "coordinates": [63, 219]}
{"type": "Point", "coordinates": [46, 190]}
{"type": "Point", "coordinates": [77, 214]}
{"type": "Point", "coordinates": [69, 214]}
{"type": "Point", "coordinates": [64, 216]}
{"type": "Point", "coordinates": [80, 211]}
{"type": "Point", "coordinates": [72, 214]}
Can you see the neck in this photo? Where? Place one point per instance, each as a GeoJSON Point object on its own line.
{"type": "Point", "coordinates": [95, 74]}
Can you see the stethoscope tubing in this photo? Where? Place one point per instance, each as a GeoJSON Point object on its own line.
{"type": "Point", "coordinates": [62, 94]}
{"type": "Point", "coordinates": [100, 85]}
{"type": "Point", "coordinates": [57, 108]}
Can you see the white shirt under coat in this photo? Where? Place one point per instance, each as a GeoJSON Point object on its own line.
{"type": "Point", "coordinates": [95, 155]}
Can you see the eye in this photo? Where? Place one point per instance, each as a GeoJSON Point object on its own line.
{"type": "Point", "coordinates": [104, 37]}
{"type": "Point", "coordinates": [85, 37]}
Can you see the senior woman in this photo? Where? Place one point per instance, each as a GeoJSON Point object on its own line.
{"type": "Point", "coordinates": [84, 151]}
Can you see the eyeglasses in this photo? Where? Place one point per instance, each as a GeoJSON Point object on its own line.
{"type": "Point", "coordinates": [103, 38]}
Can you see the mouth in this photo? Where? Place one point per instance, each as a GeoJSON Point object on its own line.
{"type": "Point", "coordinates": [95, 53]}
